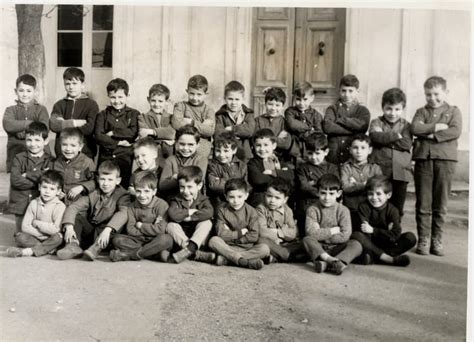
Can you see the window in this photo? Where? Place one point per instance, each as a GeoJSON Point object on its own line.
{"type": "Point", "coordinates": [76, 23]}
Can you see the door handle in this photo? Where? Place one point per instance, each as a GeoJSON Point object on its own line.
{"type": "Point", "coordinates": [321, 47]}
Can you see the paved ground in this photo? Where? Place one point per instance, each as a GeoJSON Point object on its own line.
{"type": "Point", "coordinates": [48, 299]}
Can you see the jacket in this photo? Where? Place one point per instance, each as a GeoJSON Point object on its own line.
{"type": "Point", "coordinates": [147, 215]}
{"type": "Point", "coordinates": [230, 222]}
{"type": "Point", "coordinates": [218, 174]}
{"type": "Point", "coordinates": [179, 210]}
{"type": "Point", "coordinates": [300, 125]}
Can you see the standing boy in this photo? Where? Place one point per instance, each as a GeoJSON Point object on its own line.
{"type": "Point", "coordinates": [392, 140]}
{"type": "Point", "coordinates": [17, 118]}
{"type": "Point", "coordinates": [437, 127]}
{"type": "Point", "coordinates": [190, 215]}
{"type": "Point", "coordinates": [41, 228]}
{"type": "Point", "coordinates": [117, 128]}
{"type": "Point", "coordinates": [146, 226]}
{"type": "Point", "coordinates": [27, 168]}
{"type": "Point", "coordinates": [238, 229]}
{"type": "Point", "coordinates": [75, 110]}
{"type": "Point", "coordinates": [105, 214]}
{"type": "Point", "coordinates": [345, 119]}
{"type": "Point", "coordinates": [328, 229]}
{"type": "Point", "coordinates": [234, 116]}
{"type": "Point", "coordinates": [197, 113]}
{"type": "Point", "coordinates": [157, 122]}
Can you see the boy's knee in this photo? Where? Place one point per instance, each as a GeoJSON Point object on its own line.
{"type": "Point", "coordinates": [410, 238]}
{"type": "Point", "coordinates": [172, 227]}
{"type": "Point", "coordinates": [214, 241]}
{"type": "Point", "coordinates": [354, 245]}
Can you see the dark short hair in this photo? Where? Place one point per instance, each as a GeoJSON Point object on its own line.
{"type": "Point", "coordinates": [275, 94]}
{"type": "Point", "coordinates": [362, 137]}
{"type": "Point", "coordinates": [188, 130]}
{"type": "Point", "coordinates": [37, 128]}
{"type": "Point", "coordinates": [435, 81]}
{"type": "Point", "coordinates": [280, 185]}
{"type": "Point", "coordinates": [52, 177]}
{"type": "Point", "coordinates": [236, 184]}
{"type": "Point", "coordinates": [73, 73]}
{"type": "Point", "coordinates": [233, 86]}
{"type": "Point", "coordinates": [116, 84]}
{"type": "Point", "coordinates": [394, 96]}
{"type": "Point", "coordinates": [198, 82]}
{"type": "Point", "coordinates": [146, 179]}
{"type": "Point", "coordinates": [349, 81]}
{"type": "Point", "coordinates": [329, 182]}
{"type": "Point", "coordinates": [379, 182]}
{"type": "Point", "coordinates": [72, 132]}
{"type": "Point", "coordinates": [108, 167]}
{"type": "Point", "coordinates": [145, 142]}
{"type": "Point", "coordinates": [303, 88]}
{"type": "Point", "coordinates": [159, 89]}
{"type": "Point", "coordinates": [224, 139]}
{"type": "Point", "coordinates": [26, 79]}
{"type": "Point", "coordinates": [316, 141]}
{"type": "Point", "coordinates": [191, 173]}
{"type": "Point", "coordinates": [264, 133]}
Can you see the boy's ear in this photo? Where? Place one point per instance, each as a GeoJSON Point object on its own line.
{"type": "Point", "coordinates": [200, 185]}
{"type": "Point", "coordinates": [286, 200]}
{"type": "Point", "coordinates": [339, 193]}
{"type": "Point", "coordinates": [246, 195]}
{"type": "Point", "coordinates": [370, 149]}
{"type": "Point", "coordinates": [274, 145]}
{"type": "Point", "coordinates": [118, 180]}
{"type": "Point", "coordinates": [154, 192]}
{"type": "Point", "coordinates": [46, 141]}
{"type": "Point", "coordinates": [389, 195]}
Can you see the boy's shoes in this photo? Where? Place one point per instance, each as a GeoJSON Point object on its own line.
{"type": "Point", "coordinates": [208, 257]}
{"type": "Point", "coordinates": [320, 266]}
{"type": "Point", "coordinates": [270, 260]}
{"type": "Point", "coordinates": [366, 259]}
{"type": "Point", "coordinates": [436, 247]}
{"type": "Point", "coordinates": [401, 260]}
{"type": "Point", "coordinates": [255, 264]}
{"type": "Point", "coordinates": [221, 261]}
{"type": "Point", "coordinates": [70, 251]}
{"type": "Point", "coordinates": [181, 255]}
{"type": "Point", "coordinates": [163, 256]}
{"type": "Point", "coordinates": [117, 255]}
{"type": "Point", "coordinates": [423, 247]}
{"type": "Point", "coordinates": [14, 252]}
{"type": "Point", "coordinates": [336, 267]}
{"type": "Point", "coordinates": [92, 252]}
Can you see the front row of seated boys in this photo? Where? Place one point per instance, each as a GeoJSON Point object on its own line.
{"type": "Point", "coordinates": [244, 236]}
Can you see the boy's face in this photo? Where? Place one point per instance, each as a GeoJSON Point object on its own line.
{"type": "Point", "coordinates": [144, 195]}
{"type": "Point", "coordinates": [234, 100]}
{"type": "Point", "coordinates": [145, 157]}
{"type": "Point", "coordinates": [189, 189]}
{"type": "Point", "coordinates": [360, 150]}
{"type": "Point", "coordinates": [348, 94]}
{"type": "Point", "coordinates": [435, 96]}
{"type": "Point", "coordinates": [274, 199]}
{"type": "Point", "coordinates": [25, 93]}
{"type": "Point", "coordinates": [393, 112]}
{"type": "Point", "coordinates": [316, 157]}
{"type": "Point", "coordinates": [225, 153]}
{"type": "Point", "coordinates": [196, 96]}
{"type": "Point", "coordinates": [48, 191]}
{"type": "Point", "coordinates": [70, 147]}
{"type": "Point", "coordinates": [377, 197]}
{"type": "Point", "coordinates": [158, 103]}
{"type": "Point", "coordinates": [118, 99]}
{"type": "Point", "coordinates": [264, 147]}
{"type": "Point", "coordinates": [108, 181]}
{"type": "Point", "coordinates": [303, 103]}
{"type": "Point", "coordinates": [186, 145]}
{"type": "Point", "coordinates": [74, 87]}
{"type": "Point", "coordinates": [35, 143]}
{"type": "Point", "coordinates": [274, 108]}
{"type": "Point", "coordinates": [328, 197]}
{"type": "Point", "coordinates": [236, 198]}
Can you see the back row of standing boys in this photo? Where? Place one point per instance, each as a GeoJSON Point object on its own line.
{"type": "Point", "coordinates": [324, 159]}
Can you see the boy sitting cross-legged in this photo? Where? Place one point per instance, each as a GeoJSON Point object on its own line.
{"type": "Point", "coordinates": [328, 228]}
{"type": "Point", "coordinates": [146, 226]}
{"type": "Point", "coordinates": [238, 229]}
{"type": "Point", "coordinates": [381, 233]}
{"type": "Point", "coordinates": [41, 228]}
{"type": "Point", "coordinates": [190, 215]}
{"type": "Point", "coordinates": [277, 227]}
{"type": "Point", "coordinates": [105, 214]}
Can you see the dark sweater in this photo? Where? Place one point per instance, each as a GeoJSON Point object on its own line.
{"type": "Point", "coordinates": [380, 219]}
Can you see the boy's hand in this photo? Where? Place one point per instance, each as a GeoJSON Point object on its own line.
{"type": "Point", "coordinates": [75, 192]}
{"type": "Point", "coordinates": [335, 230]}
{"type": "Point", "coordinates": [139, 225]}
{"type": "Point", "coordinates": [110, 133]}
{"type": "Point", "coordinates": [192, 211]}
{"type": "Point", "coordinates": [79, 123]}
{"type": "Point", "coordinates": [366, 228]}
{"type": "Point", "coordinates": [390, 226]}
{"type": "Point", "coordinates": [104, 237]}
{"type": "Point", "coordinates": [187, 121]}
{"type": "Point", "coordinates": [35, 223]}
{"type": "Point", "coordinates": [69, 233]}
{"type": "Point", "coordinates": [352, 180]}
{"type": "Point", "coordinates": [268, 172]}
{"type": "Point", "coordinates": [158, 219]}
{"type": "Point", "coordinates": [244, 231]}
{"type": "Point", "coordinates": [124, 143]}
{"type": "Point", "coordinates": [169, 142]}
{"type": "Point", "coordinates": [440, 127]}
{"type": "Point", "coordinates": [175, 176]}
{"type": "Point", "coordinates": [187, 219]}
{"type": "Point", "coordinates": [312, 182]}
{"type": "Point", "coordinates": [131, 190]}
{"type": "Point", "coordinates": [283, 134]}
{"type": "Point", "coordinates": [430, 136]}
{"type": "Point", "coordinates": [228, 128]}
{"type": "Point", "coordinates": [143, 132]}
{"type": "Point", "coordinates": [23, 174]}
{"type": "Point", "coordinates": [377, 129]}
{"type": "Point", "coordinates": [399, 136]}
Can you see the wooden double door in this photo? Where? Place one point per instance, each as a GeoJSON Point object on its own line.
{"type": "Point", "coordinates": [298, 44]}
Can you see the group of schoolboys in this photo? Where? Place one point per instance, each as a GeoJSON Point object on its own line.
{"type": "Point", "coordinates": [271, 192]}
